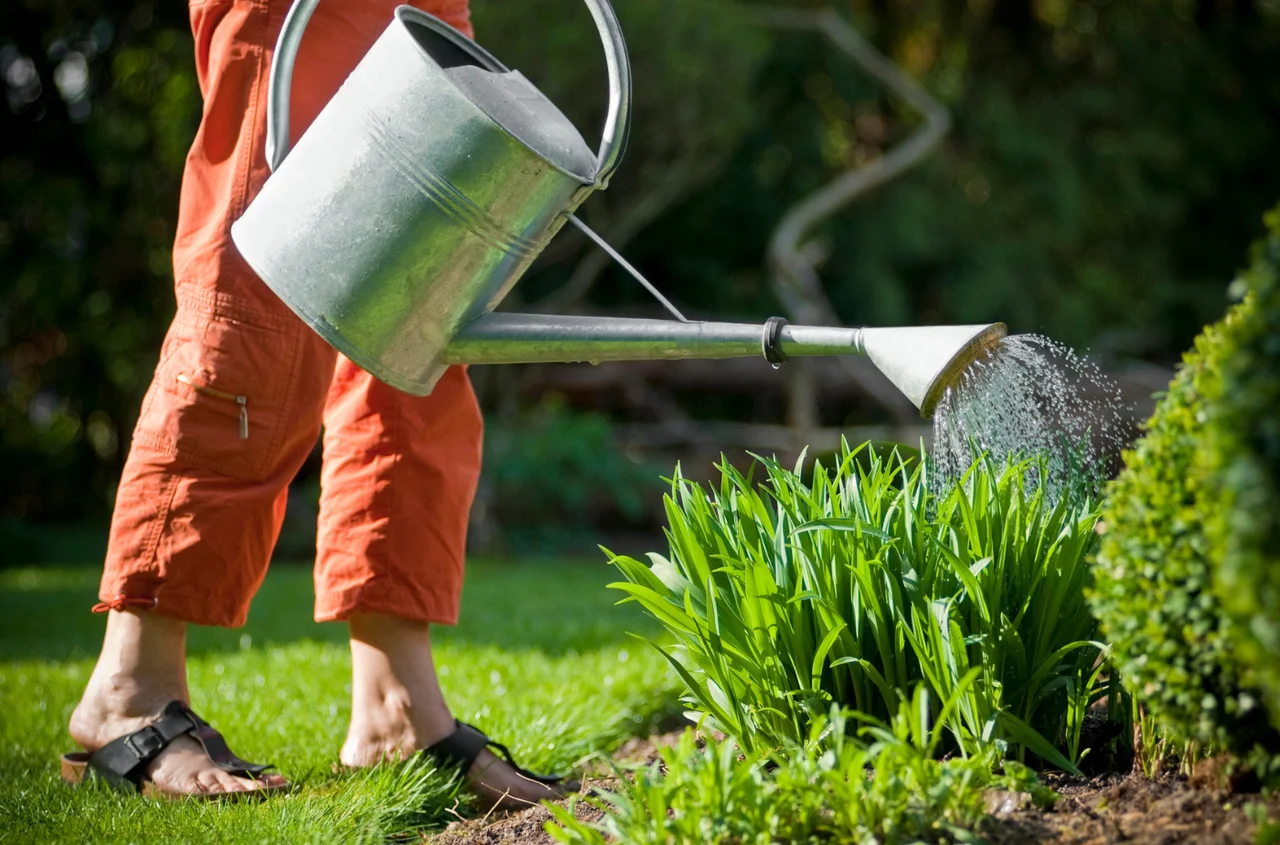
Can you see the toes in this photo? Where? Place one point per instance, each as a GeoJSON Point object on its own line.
{"type": "Point", "coordinates": [231, 783]}
{"type": "Point", "coordinates": [209, 782]}
{"type": "Point", "coordinates": [272, 781]}
{"type": "Point", "coordinates": [218, 782]}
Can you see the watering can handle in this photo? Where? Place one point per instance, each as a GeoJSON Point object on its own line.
{"type": "Point", "coordinates": [617, 126]}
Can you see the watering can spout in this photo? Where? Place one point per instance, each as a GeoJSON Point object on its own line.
{"type": "Point", "coordinates": [921, 362]}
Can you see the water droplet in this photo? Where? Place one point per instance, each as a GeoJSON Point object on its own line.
{"type": "Point", "coordinates": [1032, 397]}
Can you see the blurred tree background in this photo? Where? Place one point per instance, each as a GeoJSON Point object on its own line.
{"type": "Point", "coordinates": [1108, 164]}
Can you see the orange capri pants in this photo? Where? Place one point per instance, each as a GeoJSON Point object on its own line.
{"type": "Point", "coordinates": [243, 387]}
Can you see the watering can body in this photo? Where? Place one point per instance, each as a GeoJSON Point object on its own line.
{"type": "Point", "coordinates": [405, 210]}
{"type": "Point", "coordinates": [422, 192]}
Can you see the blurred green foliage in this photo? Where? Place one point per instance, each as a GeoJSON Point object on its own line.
{"type": "Point", "coordinates": [1110, 159]}
{"type": "Point", "coordinates": [552, 477]}
{"type": "Point", "coordinates": [1243, 441]}
{"type": "Point", "coordinates": [1174, 644]}
{"type": "Point", "coordinates": [102, 103]}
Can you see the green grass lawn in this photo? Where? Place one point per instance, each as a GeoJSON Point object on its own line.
{"type": "Point", "coordinates": [541, 661]}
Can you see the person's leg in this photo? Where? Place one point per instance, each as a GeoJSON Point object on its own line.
{"type": "Point", "coordinates": [397, 482]}
{"type": "Point", "coordinates": [233, 410]}
{"type": "Point", "coordinates": [141, 669]}
{"type": "Point", "coordinates": [398, 708]}
{"type": "Point", "coordinates": [399, 477]}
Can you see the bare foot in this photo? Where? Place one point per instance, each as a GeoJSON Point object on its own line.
{"type": "Point", "coordinates": [141, 670]}
{"type": "Point", "coordinates": [497, 784]}
{"type": "Point", "coordinates": [398, 709]}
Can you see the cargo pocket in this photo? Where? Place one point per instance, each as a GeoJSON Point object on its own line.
{"type": "Point", "coordinates": [221, 395]}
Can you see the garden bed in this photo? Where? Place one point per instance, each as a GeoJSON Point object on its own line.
{"type": "Point", "coordinates": [1107, 808]}
{"type": "Point", "coordinates": [1131, 809]}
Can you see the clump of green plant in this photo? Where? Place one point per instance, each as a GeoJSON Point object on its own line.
{"type": "Point", "coordinates": [1154, 596]}
{"type": "Point", "coordinates": [1243, 442]}
{"type": "Point", "coordinates": [786, 597]}
{"type": "Point", "coordinates": [880, 783]}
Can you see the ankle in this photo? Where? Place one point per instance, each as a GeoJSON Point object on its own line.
{"type": "Point", "coordinates": [396, 703]}
{"type": "Point", "coordinates": [144, 646]}
{"type": "Point", "coordinates": [133, 695]}
{"type": "Point", "coordinates": [141, 669]}
{"type": "Point", "coordinates": [381, 725]}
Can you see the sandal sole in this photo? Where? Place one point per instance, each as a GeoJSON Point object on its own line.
{"type": "Point", "coordinates": [76, 772]}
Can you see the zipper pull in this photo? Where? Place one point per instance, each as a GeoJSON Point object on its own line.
{"type": "Point", "coordinates": [239, 399]}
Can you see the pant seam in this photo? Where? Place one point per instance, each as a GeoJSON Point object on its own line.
{"type": "Point", "coordinates": [254, 109]}
{"type": "Point", "coordinates": [226, 614]}
{"type": "Point", "coordinates": [154, 442]}
{"type": "Point", "coordinates": [245, 164]}
{"type": "Point", "coordinates": [169, 449]}
{"type": "Point", "coordinates": [151, 547]}
{"type": "Point", "coordinates": [287, 403]}
{"type": "Point", "coordinates": [373, 595]}
{"type": "Point", "coordinates": [397, 457]}
{"type": "Point", "coordinates": [219, 305]}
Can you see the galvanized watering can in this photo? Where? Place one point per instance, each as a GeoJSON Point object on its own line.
{"type": "Point", "coordinates": [433, 178]}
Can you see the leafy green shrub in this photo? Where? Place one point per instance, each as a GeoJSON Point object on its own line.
{"type": "Point", "coordinates": [788, 597]}
{"type": "Point", "coordinates": [1154, 594]}
{"type": "Point", "coordinates": [883, 787]}
{"type": "Point", "coordinates": [1244, 459]}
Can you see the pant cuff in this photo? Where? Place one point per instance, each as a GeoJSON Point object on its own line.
{"type": "Point", "coordinates": [394, 600]}
{"type": "Point", "coordinates": [192, 609]}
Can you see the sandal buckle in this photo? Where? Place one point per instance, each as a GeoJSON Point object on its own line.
{"type": "Point", "coordinates": [145, 742]}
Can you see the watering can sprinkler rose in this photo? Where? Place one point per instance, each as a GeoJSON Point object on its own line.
{"type": "Point", "coordinates": [431, 181]}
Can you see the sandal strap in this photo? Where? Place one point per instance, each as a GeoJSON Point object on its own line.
{"type": "Point", "coordinates": [123, 761]}
{"type": "Point", "coordinates": [461, 748]}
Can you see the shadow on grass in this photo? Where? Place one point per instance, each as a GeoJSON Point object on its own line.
{"type": "Point", "coordinates": [554, 608]}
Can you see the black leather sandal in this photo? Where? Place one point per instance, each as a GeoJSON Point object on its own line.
{"type": "Point", "coordinates": [460, 749]}
{"type": "Point", "coordinates": [122, 763]}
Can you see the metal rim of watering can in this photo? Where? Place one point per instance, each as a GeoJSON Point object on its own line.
{"type": "Point", "coordinates": [617, 126]}
{"type": "Point", "coordinates": [949, 375]}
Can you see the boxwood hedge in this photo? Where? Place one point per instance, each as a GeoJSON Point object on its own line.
{"type": "Point", "coordinates": [1243, 434]}
{"type": "Point", "coordinates": [1166, 523]}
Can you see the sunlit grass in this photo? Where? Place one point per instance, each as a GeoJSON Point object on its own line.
{"type": "Point", "coordinates": [541, 662]}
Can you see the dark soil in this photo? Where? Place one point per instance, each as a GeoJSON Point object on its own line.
{"type": "Point", "coordinates": [1131, 809]}
{"type": "Point", "coordinates": [1102, 810]}
{"type": "Point", "coordinates": [526, 827]}
{"type": "Point", "coordinates": [522, 828]}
